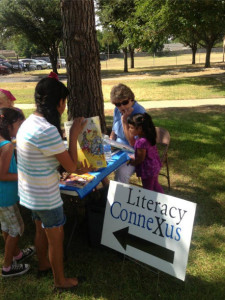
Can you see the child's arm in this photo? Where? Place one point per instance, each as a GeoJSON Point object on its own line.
{"type": "Point", "coordinates": [112, 135]}
{"type": "Point", "coordinates": [68, 159]}
{"type": "Point", "coordinates": [139, 157]}
{"type": "Point", "coordinates": [6, 153]}
{"type": "Point", "coordinates": [128, 135]}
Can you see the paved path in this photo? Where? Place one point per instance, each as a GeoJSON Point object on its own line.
{"type": "Point", "coordinates": [157, 104]}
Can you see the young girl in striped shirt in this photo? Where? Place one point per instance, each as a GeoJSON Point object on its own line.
{"type": "Point", "coordinates": [40, 151]}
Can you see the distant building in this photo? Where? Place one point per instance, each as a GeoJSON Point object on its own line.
{"type": "Point", "coordinates": [8, 53]}
{"type": "Point", "coordinates": [175, 47]}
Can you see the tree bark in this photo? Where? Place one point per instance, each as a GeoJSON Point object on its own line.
{"type": "Point", "coordinates": [131, 50]}
{"type": "Point", "coordinates": [53, 55]}
{"type": "Point", "coordinates": [194, 50]}
{"type": "Point", "coordinates": [207, 57]}
{"type": "Point", "coordinates": [125, 69]}
{"type": "Point", "coordinates": [82, 59]}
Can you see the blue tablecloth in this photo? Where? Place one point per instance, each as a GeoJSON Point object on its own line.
{"type": "Point", "coordinates": [116, 161]}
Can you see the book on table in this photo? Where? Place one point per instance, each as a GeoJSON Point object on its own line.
{"type": "Point", "coordinates": [76, 180]}
{"type": "Point", "coordinates": [120, 146]}
{"type": "Point", "coordinates": [90, 143]}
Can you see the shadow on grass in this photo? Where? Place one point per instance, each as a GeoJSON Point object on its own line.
{"type": "Point", "coordinates": [201, 80]}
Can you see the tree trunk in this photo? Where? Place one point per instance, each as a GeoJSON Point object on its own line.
{"type": "Point", "coordinates": [53, 55]}
{"type": "Point", "coordinates": [82, 59]}
{"type": "Point", "coordinates": [125, 69]}
{"type": "Point", "coordinates": [131, 50]}
{"type": "Point", "coordinates": [207, 58]}
{"type": "Point", "coordinates": [194, 50]}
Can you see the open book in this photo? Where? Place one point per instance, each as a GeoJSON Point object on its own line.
{"type": "Point", "coordinates": [90, 143]}
{"type": "Point", "coordinates": [118, 145]}
{"type": "Point", "coordinates": [73, 179]}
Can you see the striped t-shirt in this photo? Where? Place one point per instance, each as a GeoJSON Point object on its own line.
{"type": "Point", "coordinates": [38, 142]}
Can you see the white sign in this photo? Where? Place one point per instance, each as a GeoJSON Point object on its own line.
{"type": "Point", "coordinates": [151, 227]}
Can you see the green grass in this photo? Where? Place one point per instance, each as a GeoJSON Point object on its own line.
{"type": "Point", "coordinates": [27, 112]}
{"type": "Point", "coordinates": [144, 89]}
{"type": "Point", "coordinates": [197, 169]}
{"type": "Point", "coordinates": [163, 80]}
{"type": "Point", "coordinates": [170, 89]}
{"type": "Point", "coordinates": [146, 62]}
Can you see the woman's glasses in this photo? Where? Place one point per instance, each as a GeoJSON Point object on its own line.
{"type": "Point", "coordinates": [124, 102]}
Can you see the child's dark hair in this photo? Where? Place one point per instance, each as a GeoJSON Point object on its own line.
{"type": "Point", "coordinates": [48, 93]}
{"type": "Point", "coordinates": [8, 116]}
{"type": "Point", "coordinates": [145, 122]}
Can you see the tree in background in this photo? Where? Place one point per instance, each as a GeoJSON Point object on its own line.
{"type": "Point", "coordinates": [39, 20]}
{"type": "Point", "coordinates": [107, 41]}
{"type": "Point", "coordinates": [211, 25]}
{"type": "Point", "coordinates": [193, 22]}
{"type": "Point", "coordinates": [22, 46]}
{"type": "Point", "coordinates": [113, 15]}
{"type": "Point", "coordinates": [181, 19]}
{"type": "Point", "coordinates": [82, 59]}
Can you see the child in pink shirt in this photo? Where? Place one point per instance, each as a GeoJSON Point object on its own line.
{"type": "Point", "coordinates": [147, 162]}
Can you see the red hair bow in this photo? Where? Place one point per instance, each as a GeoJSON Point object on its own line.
{"type": "Point", "coordinates": [53, 75]}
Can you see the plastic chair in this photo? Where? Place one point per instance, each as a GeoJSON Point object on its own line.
{"type": "Point", "coordinates": [163, 141]}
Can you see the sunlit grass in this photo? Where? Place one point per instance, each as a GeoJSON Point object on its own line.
{"type": "Point", "coordinates": [162, 81]}
{"type": "Point", "coordinates": [147, 62]}
{"type": "Point", "coordinates": [145, 89]}
{"type": "Point", "coordinates": [169, 89]}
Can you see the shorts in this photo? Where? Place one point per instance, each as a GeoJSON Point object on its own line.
{"type": "Point", "coordinates": [50, 218]}
{"type": "Point", "coordinates": [11, 220]}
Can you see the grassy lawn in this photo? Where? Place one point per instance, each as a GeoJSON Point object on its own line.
{"type": "Point", "coordinates": [144, 89]}
{"type": "Point", "coordinates": [161, 81]}
{"type": "Point", "coordinates": [197, 168]}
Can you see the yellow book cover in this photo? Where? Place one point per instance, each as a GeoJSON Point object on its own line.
{"type": "Point", "coordinates": [90, 143]}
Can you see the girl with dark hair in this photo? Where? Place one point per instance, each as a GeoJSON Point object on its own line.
{"type": "Point", "coordinates": [40, 150]}
{"type": "Point", "coordinates": [147, 162]}
{"type": "Point", "coordinates": [11, 221]}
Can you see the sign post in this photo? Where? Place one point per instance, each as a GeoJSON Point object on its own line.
{"type": "Point", "coordinates": [150, 227]}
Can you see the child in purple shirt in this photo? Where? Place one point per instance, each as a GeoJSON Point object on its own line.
{"type": "Point", "coordinates": [147, 162]}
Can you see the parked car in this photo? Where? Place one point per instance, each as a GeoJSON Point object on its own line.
{"type": "Point", "coordinates": [17, 66]}
{"type": "Point", "coordinates": [6, 64]}
{"type": "Point", "coordinates": [103, 56]}
{"type": "Point", "coordinates": [46, 59]}
{"type": "Point", "coordinates": [43, 63]}
{"type": "Point", "coordinates": [4, 70]}
{"type": "Point", "coordinates": [61, 63]}
{"type": "Point", "coordinates": [49, 65]}
{"type": "Point", "coordinates": [34, 62]}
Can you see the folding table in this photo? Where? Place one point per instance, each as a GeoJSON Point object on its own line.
{"type": "Point", "coordinates": [114, 163]}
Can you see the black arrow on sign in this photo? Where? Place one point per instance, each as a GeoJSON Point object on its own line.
{"type": "Point", "coordinates": [125, 238]}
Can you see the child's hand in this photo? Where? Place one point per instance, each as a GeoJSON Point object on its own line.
{"type": "Point", "coordinates": [84, 168]}
{"type": "Point", "coordinates": [77, 126]}
{"type": "Point", "coordinates": [127, 112]}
